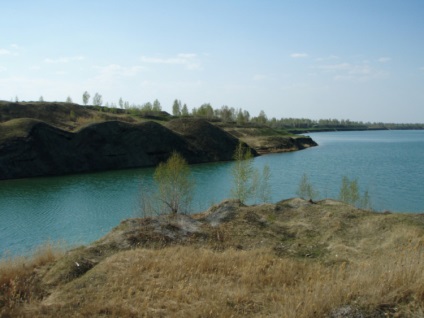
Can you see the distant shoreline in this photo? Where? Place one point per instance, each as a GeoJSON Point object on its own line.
{"type": "Point", "coordinates": [308, 131]}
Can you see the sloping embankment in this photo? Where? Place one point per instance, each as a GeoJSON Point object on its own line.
{"type": "Point", "coordinates": [30, 148]}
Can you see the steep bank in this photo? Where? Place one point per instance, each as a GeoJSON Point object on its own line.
{"type": "Point", "coordinates": [38, 149]}
{"type": "Point", "coordinates": [294, 258]}
{"type": "Point", "coordinates": [43, 139]}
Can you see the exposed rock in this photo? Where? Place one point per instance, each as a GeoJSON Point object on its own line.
{"type": "Point", "coordinates": [346, 312]}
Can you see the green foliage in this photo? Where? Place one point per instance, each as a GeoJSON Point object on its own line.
{"type": "Point", "coordinates": [97, 100]}
{"type": "Point", "coordinates": [263, 187]}
{"type": "Point", "coordinates": [306, 190]}
{"type": "Point", "coordinates": [350, 194]}
{"type": "Point", "coordinates": [156, 107]}
{"type": "Point", "coordinates": [184, 110]}
{"type": "Point", "coordinates": [174, 183]}
{"type": "Point", "coordinates": [243, 173]}
{"type": "Point", "coordinates": [176, 108]}
{"type": "Point", "coordinates": [72, 116]}
{"type": "Point", "coordinates": [69, 99]}
{"type": "Point", "coordinates": [248, 182]}
{"type": "Point", "coordinates": [85, 98]}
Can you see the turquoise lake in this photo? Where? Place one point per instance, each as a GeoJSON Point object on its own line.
{"type": "Point", "coordinates": [79, 209]}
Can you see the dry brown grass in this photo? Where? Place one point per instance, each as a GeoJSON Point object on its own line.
{"type": "Point", "coordinates": [192, 282]}
{"type": "Point", "coordinates": [18, 280]}
{"type": "Point", "coordinates": [371, 263]}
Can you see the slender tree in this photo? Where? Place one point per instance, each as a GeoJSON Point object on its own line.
{"type": "Point", "coordinates": [349, 191]}
{"type": "Point", "coordinates": [306, 190]}
{"type": "Point", "coordinates": [184, 110]}
{"type": "Point", "coordinates": [85, 98]}
{"type": "Point", "coordinates": [175, 185]}
{"type": "Point", "coordinates": [243, 173]}
{"type": "Point", "coordinates": [97, 100]}
{"type": "Point", "coordinates": [176, 108]}
{"type": "Point", "coordinates": [69, 99]}
{"type": "Point", "coordinates": [156, 106]}
{"type": "Point", "coordinates": [263, 188]}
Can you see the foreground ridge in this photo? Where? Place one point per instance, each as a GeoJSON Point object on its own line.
{"type": "Point", "coordinates": [295, 258]}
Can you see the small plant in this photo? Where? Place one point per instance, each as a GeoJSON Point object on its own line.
{"type": "Point", "coordinates": [72, 116]}
{"type": "Point", "coordinates": [306, 190]}
{"type": "Point", "coordinates": [261, 184]}
{"type": "Point", "coordinates": [349, 193]}
{"type": "Point", "coordinates": [243, 173]}
{"type": "Point", "coordinates": [248, 183]}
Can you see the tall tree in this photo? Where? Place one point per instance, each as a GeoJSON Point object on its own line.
{"type": "Point", "coordinates": [184, 110]}
{"type": "Point", "coordinates": [121, 102]}
{"type": "Point", "coordinates": [85, 98]}
{"type": "Point", "coordinates": [97, 100]}
{"type": "Point", "coordinates": [262, 118]}
{"type": "Point", "coordinates": [176, 108]}
{"type": "Point", "coordinates": [156, 106]}
{"type": "Point", "coordinates": [69, 99]}
{"type": "Point", "coordinates": [205, 110]}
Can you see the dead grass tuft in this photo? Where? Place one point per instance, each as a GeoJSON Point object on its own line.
{"type": "Point", "coordinates": [18, 279]}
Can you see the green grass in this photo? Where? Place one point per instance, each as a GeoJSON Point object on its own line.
{"type": "Point", "coordinates": [16, 128]}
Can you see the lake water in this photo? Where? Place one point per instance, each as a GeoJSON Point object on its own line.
{"type": "Point", "coordinates": [79, 209]}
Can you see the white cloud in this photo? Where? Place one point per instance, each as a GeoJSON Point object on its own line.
{"type": "Point", "coordinates": [63, 60]}
{"type": "Point", "coordinates": [5, 52]}
{"type": "Point", "coordinates": [189, 60]}
{"type": "Point", "coordinates": [384, 59]}
{"type": "Point", "coordinates": [298, 55]}
{"type": "Point", "coordinates": [352, 71]}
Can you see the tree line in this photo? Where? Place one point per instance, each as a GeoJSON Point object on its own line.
{"type": "Point", "coordinates": [234, 115]}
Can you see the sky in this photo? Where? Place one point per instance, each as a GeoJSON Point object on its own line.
{"type": "Point", "coordinates": [361, 60]}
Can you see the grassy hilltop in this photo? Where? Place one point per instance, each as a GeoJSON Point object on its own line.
{"type": "Point", "coordinates": [290, 259]}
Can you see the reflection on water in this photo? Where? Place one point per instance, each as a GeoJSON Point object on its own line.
{"type": "Point", "coordinates": [81, 208]}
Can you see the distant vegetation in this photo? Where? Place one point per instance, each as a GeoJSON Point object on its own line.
{"type": "Point", "coordinates": [233, 115]}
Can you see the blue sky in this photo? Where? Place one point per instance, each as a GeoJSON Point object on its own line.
{"type": "Point", "coordinates": [346, 59]}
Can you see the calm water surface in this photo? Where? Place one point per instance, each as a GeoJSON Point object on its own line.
{"type": "Point", "coordinates": [79, 209]}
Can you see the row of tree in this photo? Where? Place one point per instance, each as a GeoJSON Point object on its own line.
{"type": "Point", "coordinates": [237, 115]}
{"type": "Point", "coordinates": [174, 185]}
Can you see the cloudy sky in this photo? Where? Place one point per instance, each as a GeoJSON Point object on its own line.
{"type": "Point", "coordinates": [346, 59]}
